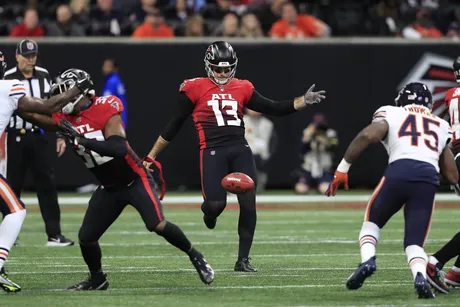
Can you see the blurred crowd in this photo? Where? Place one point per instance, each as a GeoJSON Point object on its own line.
{"type": "Point", "coordinates": [282, 19]}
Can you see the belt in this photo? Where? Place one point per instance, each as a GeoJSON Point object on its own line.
{"type": "Point", "coordinates": [24, 131]}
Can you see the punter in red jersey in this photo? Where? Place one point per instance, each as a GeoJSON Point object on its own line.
{"type": "Point", "coordinates": [95, 128]}
{"type": "Point", "coordinates": [450, 110]}
{"type": "Point", "coordinates": [217, 104]}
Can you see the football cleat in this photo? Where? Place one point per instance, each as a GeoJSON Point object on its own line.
{"type": "Point", "coordinates": [453, 279]}
{"type": "Point", "coordinates": [364, 270]}
{"type": "Point", "coordinates": [91, 283]}
{"type": "Point", "coordinates": [422, 287]}
{"type": "Point", "coordinates": [243, 265]}
{"type": "Point", "coordinates": [59, 240]}
{"type": "Point", "coordinates": [210, 222]}
{"type": "Point", "coordinates": [434, 276]}
{"type": "Point", "coordinates": [204, 270]}
{"type": "Point", "coordinates": [6, 284]}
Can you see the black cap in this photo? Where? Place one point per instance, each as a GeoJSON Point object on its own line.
{"type": "Point", "coordinates": [27, 46]}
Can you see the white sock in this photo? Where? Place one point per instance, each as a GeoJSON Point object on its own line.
{"type": "Point", "coordinates": [417, 259]}
{"type": "Point", "coordinates": [455, 269]}
{"type": "Point", "coordinates": [433, 260]}
{"type": "Point", "coordinates": [368, 239]}
{"type": "Point", "coordinates": [9, 231]}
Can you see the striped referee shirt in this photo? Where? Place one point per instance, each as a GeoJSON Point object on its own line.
{"type": "Point", "coordinates": [37, 86]}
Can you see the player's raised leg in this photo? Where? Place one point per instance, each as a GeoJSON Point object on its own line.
{"type": "Point", "coordinates": [386, 200]}
{"type": "Point", "coordinates": [14, 211]}
{"type": "Point", "coordinates": [142, 196]}
{"type": "Point", "coordinates": [243, 162]}
{"type": "Point", "coordinates": [417, 215]}
{"type": "Point", "coordinates": [213, 167]}
{"type": "Point", "coordinates": [103, 210]}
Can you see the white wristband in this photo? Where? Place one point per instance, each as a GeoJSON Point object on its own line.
{"type": "Point", "coordinates": [344, 166]}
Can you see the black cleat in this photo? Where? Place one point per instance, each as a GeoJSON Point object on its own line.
{"type": "Point", "coordinates": [59, 240]}
{"type": "Point", "coordinates": [422, 287]}
{"type": "Point", "coordinates": [204, 270]}
{"type": "Point", "coordinates": [434, 275]}
{"type": "Point", "coordinates": [209, 221]}
{"type": "Point", "coordinates": [243, 265]}
{"type": "Point", "coordinates": [364, 270]}
{"type": "Point", "coordinates": [91, 283]}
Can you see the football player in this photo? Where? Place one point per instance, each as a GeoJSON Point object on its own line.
{"type": "Point", "coordinates": [416, 142]}
{"type": "Point", "coordinates": [94, 126]}
{"type": "Point", "coordinates": [216, 104]}
{"type": "Point", "coordinates": [449, 109]}
{"type": "Point", "coordinates": [13, 98]}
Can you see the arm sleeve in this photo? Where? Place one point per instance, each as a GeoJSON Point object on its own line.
{"type": "Point", "coordinates": [114, 146]}
{"type": "Point", "coordinates": [259, 103]}
{"type": "Point", "coordinates": [183, 110]}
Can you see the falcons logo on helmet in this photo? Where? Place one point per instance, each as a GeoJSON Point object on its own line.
{"type": "Point", "coordinates": [435, 71]}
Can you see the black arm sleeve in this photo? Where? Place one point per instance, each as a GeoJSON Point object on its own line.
{"type": "Point", "coordinates": [267, 106]}
{"type": "Point", "coordinates": [114, 146]}
{"type": "Point", "coordinates": [183, 109]}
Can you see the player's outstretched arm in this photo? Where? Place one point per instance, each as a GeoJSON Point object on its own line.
{"type": "Point", "coordinates": [373, 133]}
{"type": "Point", "coordinates": [183, 109]}
{"type": "Point", "coordinates": [448, 166]}
{"type": "Point", "coordinates": [115, 144]}
{"type": "Point", "coordinates": [55, 103]}
{"type": "Point", "coordinates": [264, 105]}
{"type": "Point", "coordinates": [43, 121]}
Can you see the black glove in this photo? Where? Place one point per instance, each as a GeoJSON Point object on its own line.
{"type": "Point", "coordinates": [84, 84]}
{"type": "Point", "coordinates": [65, 128]}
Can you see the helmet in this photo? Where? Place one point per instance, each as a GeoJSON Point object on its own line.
{"type": "Point", "coordinates": [2, 66]}
{"type": "Point", "coordinates": [414, 93]}
{"type": "Point", "coordinates": [65, 81]}
{"type": "Point", "coordinates": [220, 57]}
{"type": "Point", "coordinates": [456, 68]}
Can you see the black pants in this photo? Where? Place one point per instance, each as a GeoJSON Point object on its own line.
{"type": "Point", "coordinates": [107, 204]}
{"type": "Point", "coordinates": [37, 153]}
{"type": "Point", "coordinates": [217, 162]}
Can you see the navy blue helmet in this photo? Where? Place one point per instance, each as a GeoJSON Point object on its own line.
{"type": "Point", "coordinates": [414, 93]}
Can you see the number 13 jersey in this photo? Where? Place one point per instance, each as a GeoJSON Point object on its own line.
{"type": "Point", "coordinates": [414, 133]}
{"type": "Point", "coordinates": [218, 111]}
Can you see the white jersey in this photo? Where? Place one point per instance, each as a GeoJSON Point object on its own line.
{"type": "Point", "coordinates": [414, 133]}
{"type": "Point", "coordinates": [10, 92]}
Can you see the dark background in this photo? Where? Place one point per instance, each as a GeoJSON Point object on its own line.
{"type": "Point", "coordinates": [358, 79]}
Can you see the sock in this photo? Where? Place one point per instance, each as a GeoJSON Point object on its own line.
{"type": "Point", "coordinates": [449, 251]}
{"type": "Point", "coordinates": [93, 257]}
{"type": "Point", "coordinates": [246, 223]}
{"type": "Point", "coordinates": [417, 259]}
{"type": "Point", "coordinates": [456, 268]}
{"type": "Point", "coordinates": [174, 235]}
{"type": "Point", "coordinates": [9, 231]}
{"type": "Point", "coordinates": [368, 239]}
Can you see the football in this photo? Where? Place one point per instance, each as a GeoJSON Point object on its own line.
{"type": "Point", "coordinates": [237, 183]}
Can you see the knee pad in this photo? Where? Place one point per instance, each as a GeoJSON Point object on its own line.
{"type": "Point", "coordinates": [213, 207]}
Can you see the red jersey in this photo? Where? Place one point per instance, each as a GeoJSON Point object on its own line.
{"type": "Point", "coordinates": [218, 111]}
{"type": "Point", "coordinates": [110, 171]}
{"type": "Point", "coordinates": [450, 106]}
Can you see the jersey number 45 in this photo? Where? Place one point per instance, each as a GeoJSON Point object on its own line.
{"type": "Point", "coordinates": [409, 128]}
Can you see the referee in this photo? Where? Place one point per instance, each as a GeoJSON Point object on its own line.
{"type": "Point", "coordinates": [27, 147]}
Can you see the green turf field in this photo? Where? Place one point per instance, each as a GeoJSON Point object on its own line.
{"type": "Point", "coordinates": [304, 256]}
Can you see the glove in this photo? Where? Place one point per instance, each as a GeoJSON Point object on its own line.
{"type": "Point", "coordinates": [84, 84]}
{"type": "Point", "coordinates": [156, 170]}
{"type": "Point", "coordinates": [334, 185]}
{"type": "Point", "coordinates": [66, 129]}
{"type": "Point", "coordinates": [311, 97]}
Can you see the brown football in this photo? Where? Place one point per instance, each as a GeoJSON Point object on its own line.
{"type": "Point", "coordinates": [237, 183]}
